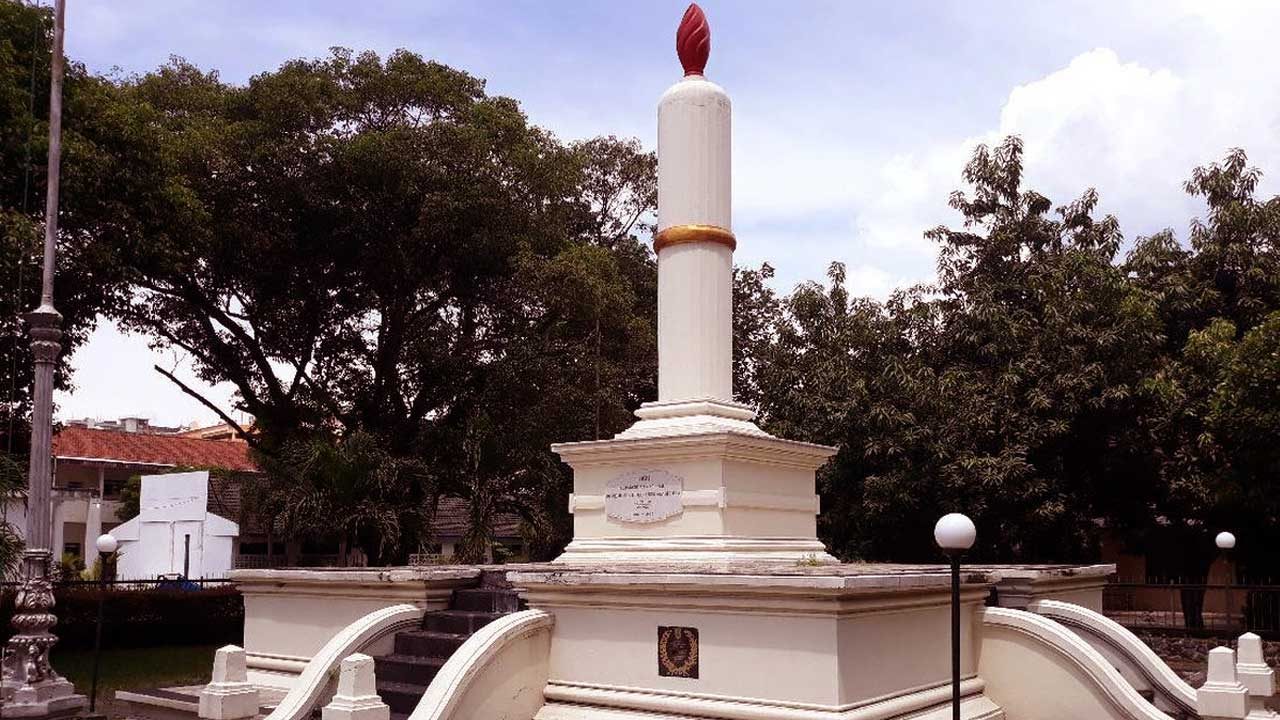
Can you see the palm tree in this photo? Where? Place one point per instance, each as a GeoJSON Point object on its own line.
{"type": "Point", "coordinates": [354, 490]}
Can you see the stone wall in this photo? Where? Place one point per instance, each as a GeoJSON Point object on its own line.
{"type": "Point", "coordinates": [1188, 655]}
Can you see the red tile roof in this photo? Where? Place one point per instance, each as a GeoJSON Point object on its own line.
{"type": "Point", "coordinates": [125, 447]}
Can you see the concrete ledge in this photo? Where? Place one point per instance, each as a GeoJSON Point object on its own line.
{"type": "Point", "coordinates": [174, 703]}
{"type": "Point", "coordinates": [357, 576]}
{"type": "Point", "coordinates": [567, 701]}
{"type": "Point", "coordinates": [290, 613]}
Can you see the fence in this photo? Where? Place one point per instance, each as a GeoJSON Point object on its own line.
{"type": "Point", "coordinates": [262, 562]}
{"type": "Point", "coordinates": [133, 585]}
{"type": "Point", "coordinates": [1195, 608]}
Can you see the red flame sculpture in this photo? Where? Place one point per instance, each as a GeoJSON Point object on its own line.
{"type": "Point", "coordinates": [693, 40]}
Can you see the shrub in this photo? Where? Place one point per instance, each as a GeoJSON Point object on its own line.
{"type": "Point", "coordinates": [141, 618]}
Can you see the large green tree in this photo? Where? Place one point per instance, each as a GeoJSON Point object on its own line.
{"type": "Point", "coordinates": [1205, 423]}
{"type": "Point", "coordinates": [1004, 390]}
{"type": "Point", "coordinates": [378, 246]}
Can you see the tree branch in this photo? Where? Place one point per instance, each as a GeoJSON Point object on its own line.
{"type": "Point", "coordinates": [209, 404]}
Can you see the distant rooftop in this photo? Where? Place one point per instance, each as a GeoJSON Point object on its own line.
{"type": "Point", "coordinates": [151, 449]}
{"type": "Point", "coordinates": [132, 424]}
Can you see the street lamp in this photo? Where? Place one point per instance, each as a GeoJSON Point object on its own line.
{"type": "Point", "coordinates": [106, 546]}
{"type": "Point", "coordinates": [955, 533]}
{"type": "Point", "coordinates": [1226, 542]}
{"type": "Point", "coordinates": [31, 687]}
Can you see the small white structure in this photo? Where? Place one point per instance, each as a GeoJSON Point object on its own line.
{"type": "Point", "coordinates": [357, 696]}
{"type": "Point", "coordinates": [175, 531]}
{"type": "Point", "coordinates": [1222, 697]}
{"type": "Point", "coordinates": [230, 696]}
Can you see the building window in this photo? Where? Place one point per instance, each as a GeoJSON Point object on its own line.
{"type": "Point", "coordinates": [71, 548]}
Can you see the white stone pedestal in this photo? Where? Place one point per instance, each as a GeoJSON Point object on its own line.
{"type": "Point", "coordinates": [357, 695]}
{"type": "Point", "coordinates": [741, 494]}
{"type": "Point", "coordinates": [52, 698]}
{"type": "Point", "coordinates": [1222, 697]}
{"type": "Point", "coordinates": [754, 641]}
{"type": "Point", "coordinates": [229, 694]}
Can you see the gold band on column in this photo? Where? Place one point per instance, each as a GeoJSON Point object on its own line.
{"type": "Point", "coordinates": [680, 234]}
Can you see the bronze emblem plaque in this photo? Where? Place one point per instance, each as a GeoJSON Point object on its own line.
{"type": "Point", "coordinates": [678, 652]}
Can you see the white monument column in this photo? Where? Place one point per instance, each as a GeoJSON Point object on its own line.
{"type": "Point", "coordinates": [695, 237]}
{"type": "Point", "coordinates": [694, 479]}
{"type": "Point", "coordinates": [694, 245]}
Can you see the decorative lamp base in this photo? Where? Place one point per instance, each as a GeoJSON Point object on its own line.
{"type": "Point", "coordinates": [31, 688]}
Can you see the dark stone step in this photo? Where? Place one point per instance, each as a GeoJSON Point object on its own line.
{"type": "Point", "coordinates": [458, 622]}
{"type": "Point", "coordinates": [426, 643]}
{"type": "Point", "coordinates": [485, 600]}
{"type": "Point", "coordinates": [407, 668]}
{"type": "Point", "coordinates": [400, 697]}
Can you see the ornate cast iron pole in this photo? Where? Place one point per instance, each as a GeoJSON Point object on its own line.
{"type": "Point", "coordinates": [31, 688]}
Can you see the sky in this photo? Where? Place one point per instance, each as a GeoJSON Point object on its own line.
{"type": "Point", "coordinates": [852, 120]}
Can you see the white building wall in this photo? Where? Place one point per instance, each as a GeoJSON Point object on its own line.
{"type": "Point", "coordinates": [174, 508]}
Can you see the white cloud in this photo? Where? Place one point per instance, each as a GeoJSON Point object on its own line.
{"type": "Point", "coordinates": [869, 280]}
{"type": "Point", "coordinates": [1132, 132]}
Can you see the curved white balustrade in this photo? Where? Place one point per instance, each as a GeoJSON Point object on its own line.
{"type": "Point", "coordinates": [1123, 646]}
{"type": "Point", "coordinates": [504, 661]}
{"type": "Point", "coordinates": [307, 693]}
{"type": "Point", "coordinates": [1036, 668]}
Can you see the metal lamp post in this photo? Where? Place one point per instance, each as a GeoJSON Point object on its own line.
{"type": "Point", "coordinates": [1226, 542]}
{"type": "Point", "coordinates": [106, 547]}
{"type": "Point", "coordinates": [30, 686]}
{"type": "Point", "coordinates": [955, 534]}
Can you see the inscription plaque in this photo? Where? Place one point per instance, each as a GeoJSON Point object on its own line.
{"type": "Point", "coordinates": [678, 652]}
{"type": "Point", "coordinates": [644, 496]}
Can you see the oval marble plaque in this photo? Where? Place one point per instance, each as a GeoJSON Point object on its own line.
{"type": "Point", "coordinates": [644, 496]}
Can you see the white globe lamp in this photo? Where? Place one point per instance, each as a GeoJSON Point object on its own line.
{"type": "Point", "coordinates": [107, 543]}
{"type": "Point", "coordinates": [955, 533]}
{"type": "Point", "coordinates": [1225, 540]}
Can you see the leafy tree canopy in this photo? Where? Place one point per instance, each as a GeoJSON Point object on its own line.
{"type": "Point", "coordinates": [1043, 384]}
{"type": "Point", "coordinates": [377, 246]}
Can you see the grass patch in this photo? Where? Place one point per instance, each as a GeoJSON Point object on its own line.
{"type": "Point", "coordinates": [135, 669]}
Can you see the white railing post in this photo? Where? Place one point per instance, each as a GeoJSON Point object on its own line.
{"type": "Point", "coordinates": [230, 695]}
{"type": "Point", "coordinates": [1222, 697]}
{"type": "Point", "coordinates": [357, 695]}
{"type": "Point", "coordinates": [1255, 675]}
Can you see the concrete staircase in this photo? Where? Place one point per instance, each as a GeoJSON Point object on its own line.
{"type": "Point", "coordinates": [419, 654]}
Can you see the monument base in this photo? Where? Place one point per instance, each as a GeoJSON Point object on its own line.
{"type": "Point", "coordinates": [693, 417]}
{"type": "Point", "coordinates": [756, 641]}
{"type": "Point", "coordinates": [702, 487]}
{"type": "Point", "coordinates": [693, 549]}
{"type": "Point", "coordinates": [53, 698]}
